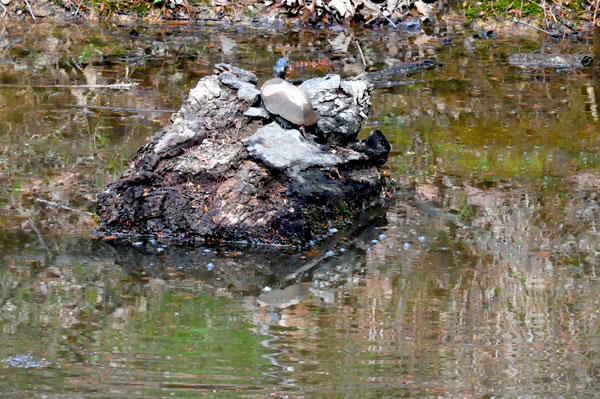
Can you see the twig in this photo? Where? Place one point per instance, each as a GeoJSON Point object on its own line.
{"type": "Point", "coordinates": [118, 86]}
{"type": "Point", "coordinates": [4, 13]}
{"type": "Point", "coordinates": [303, 269]}
{"type": "Point", "coordinates": [129, 109]}
{"type": "Point", "coordinates": [556, 17]}
{"type": "Point", "coordinates": [559, 19]}
{"type": "Point", "coordinates": [521, 9]}
{"type": "Point", "coordinates": [362, 57]}
{"type": "Point", "coordinates": [76, 66]}
{"type": "Point", "coordinates": [30, 10]}
{"type": "Point", "coordinates": [380, 12]}
{"type": "Point", "coordinates": [67, 208]}
{"type": "Point", "coordinates": [592, 101]}
{"type": "Point", "coordinates": [394, 83]}
{"type": "Point", "coordinates": [78, 6]}
{"type": "Point", "coordinates": [517, 21]}
{"type": "Point", "coordinates": [37, 232]}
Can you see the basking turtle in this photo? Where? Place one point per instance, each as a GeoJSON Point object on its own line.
{"type": "Point", "coordinates": [285, 100]}
{"type": "Point", "coordinates": [560, 61]}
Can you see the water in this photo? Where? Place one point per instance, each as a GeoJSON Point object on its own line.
{"type": "Point", "coordinates": [479, 279]}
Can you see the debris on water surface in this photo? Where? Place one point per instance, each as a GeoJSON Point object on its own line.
{"type": "Point", "coordinates": [25, 362]}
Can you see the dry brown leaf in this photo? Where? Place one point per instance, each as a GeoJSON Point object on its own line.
{"type": "Point", "coordinates": [344, 8]}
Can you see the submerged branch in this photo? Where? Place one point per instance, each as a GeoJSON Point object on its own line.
{"type": "Point", "coordinates": [117, 86]}
{"type": "Point", "coordinates": [66, 208]}
{"type": "Point", "coordinates": [518, 21]}
{"type": "Point", "coordinates": [393, 83]}
{"type": "Point", "coordinates": [129, 109]}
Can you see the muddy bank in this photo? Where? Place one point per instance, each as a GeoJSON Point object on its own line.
{"type": "Point", "coordinates": [557, 20]}
{"type": "Point", "coordinates": [409, 12]}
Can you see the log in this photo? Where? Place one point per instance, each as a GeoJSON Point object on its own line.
{"type": "Point", "coordinates": [224, 169]}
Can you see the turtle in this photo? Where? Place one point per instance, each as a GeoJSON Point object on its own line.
{"type": "Point", "coordinates": [283, 99]}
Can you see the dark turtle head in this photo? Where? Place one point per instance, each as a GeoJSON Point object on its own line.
{"type": "Point", "coordinates": [587, 61]}
{"type": "Point", "coordinates": [280, 69]}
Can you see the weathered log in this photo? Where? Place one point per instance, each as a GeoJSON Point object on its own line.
{"type": "Point", "coordinates": [223, 169]}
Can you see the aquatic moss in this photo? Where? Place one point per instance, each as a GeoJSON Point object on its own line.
{"type": "Point", "coordinates": [502, 9]}
{"type": "Point", "coordinates": [507, 9]}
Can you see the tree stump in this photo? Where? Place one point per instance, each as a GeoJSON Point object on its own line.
{"type": "Point", "coordinates": [226, 170]}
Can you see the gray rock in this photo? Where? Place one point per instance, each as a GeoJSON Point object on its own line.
{"type": "Point", "coordinates": [248, 92]}
{"type": "Point", "coordinates": [341, 104]}
{"type": "Point", "coordinates": [245, 90]}
{"type": "Point", "coordinates": [231, 80]}
{"type": "Point", "coordinates": [240, 73]}
{"type": "Point", "coordinates": [257, 112]}
{"type": "Point", "coordinates": [282, 149]}
{"type": "Point", "coordinates": [314, 86]}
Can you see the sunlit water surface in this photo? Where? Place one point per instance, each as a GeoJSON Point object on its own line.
{"type": "Point", "coordinates": [479, 280]}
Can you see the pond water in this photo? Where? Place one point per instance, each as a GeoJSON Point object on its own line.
{"type": "Point", "coordinates": [479, 279]}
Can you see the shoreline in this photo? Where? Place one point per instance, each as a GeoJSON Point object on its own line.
{"type": "Point", "coordinates": [409, 16]}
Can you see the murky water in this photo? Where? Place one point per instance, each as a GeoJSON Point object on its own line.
{"type": "Point", "coordinates": [478, 280]}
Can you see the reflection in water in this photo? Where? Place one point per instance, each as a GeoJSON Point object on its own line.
{"type": "Point", "coordinates": [478, 280]}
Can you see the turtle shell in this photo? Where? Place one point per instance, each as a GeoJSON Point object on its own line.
{"type": "Point", "coordinates": [289, 102]}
